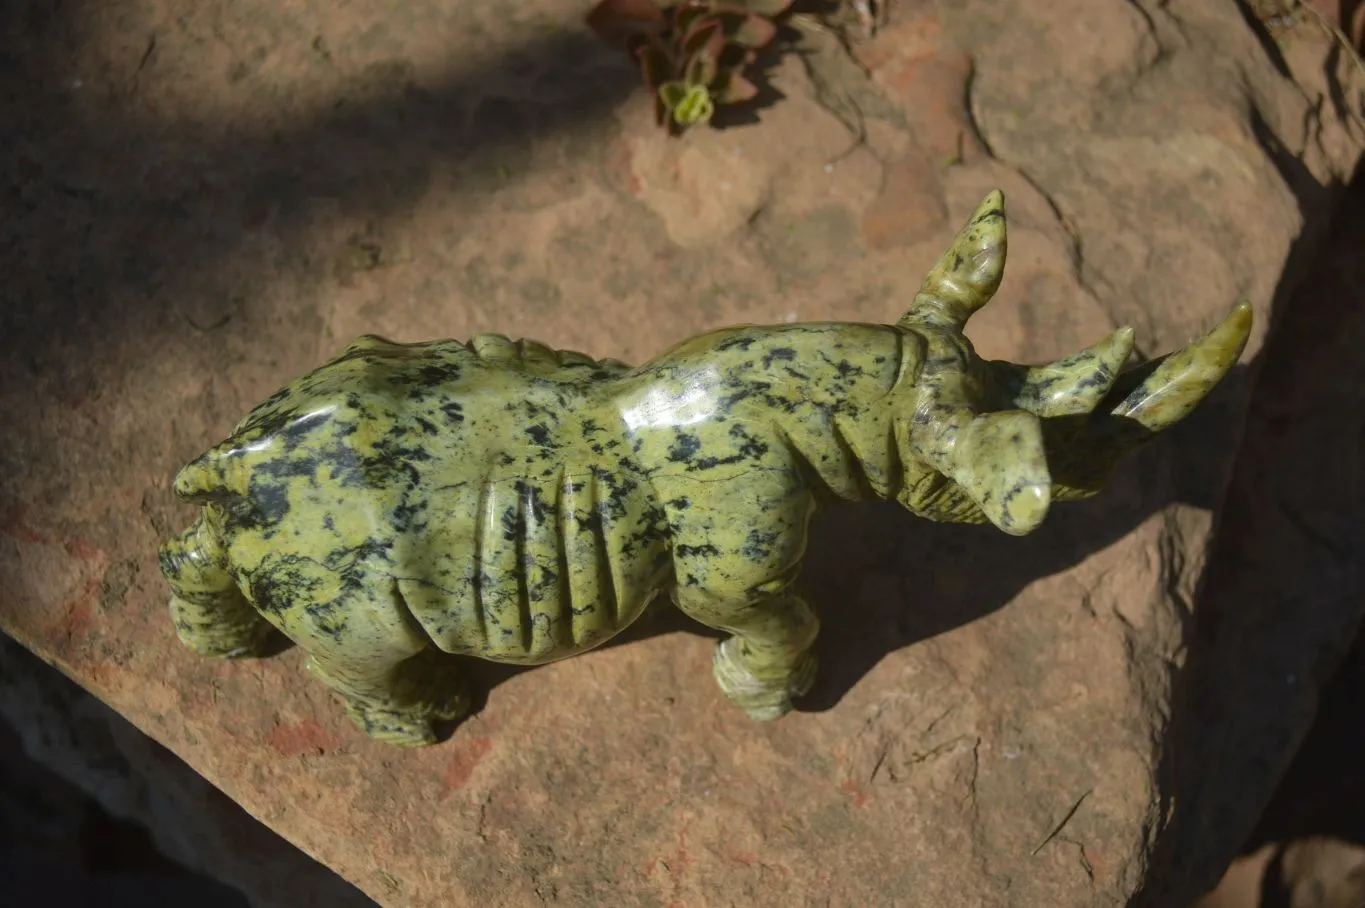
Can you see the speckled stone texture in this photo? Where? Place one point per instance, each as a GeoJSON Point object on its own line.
{"type": "Point", "coordinates": [204, 200]}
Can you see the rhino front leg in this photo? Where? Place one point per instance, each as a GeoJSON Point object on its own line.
{"type": "Point", "coordinates": [769, 657]}
{"type": "Point", "coordinates": [210, 614]}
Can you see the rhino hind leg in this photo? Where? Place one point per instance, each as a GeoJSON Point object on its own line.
{"type": "Point", "coordinates": [210, 614]}
{"type": "Point", "coordinates": [369, 649]}
{"type": "Point", "coordinates": [399, 704]}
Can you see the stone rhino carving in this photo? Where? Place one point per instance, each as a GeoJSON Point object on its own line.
{"type": "Point", "coordinates": [515, 503]}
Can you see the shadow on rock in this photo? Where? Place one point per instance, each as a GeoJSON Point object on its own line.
{"type": "Point", "coordinates": [1282, 596]}
{"type": "Point", "coordinates": [112, 218]}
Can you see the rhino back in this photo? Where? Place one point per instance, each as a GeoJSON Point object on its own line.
{"type": "Point", "coordinates": [477, 487]}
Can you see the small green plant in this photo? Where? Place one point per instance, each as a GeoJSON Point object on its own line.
{"type": "Point", "coordinates": [692, 53]}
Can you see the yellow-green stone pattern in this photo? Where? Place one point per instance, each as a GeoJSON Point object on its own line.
{"type": "Point", "coordinates": [514, 503]}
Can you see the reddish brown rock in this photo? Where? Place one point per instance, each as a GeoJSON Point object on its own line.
{"type": "Point", "coordinates": [909, 209]}
{"type": "Point", "coordinates": [922, 70]}
{"type": "Point", "coordinates": [82, 741]}
{"type": "Point", "coordinates": [994, 706]}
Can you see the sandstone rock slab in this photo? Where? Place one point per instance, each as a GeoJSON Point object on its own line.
{"type": "Point", "coordinates": [208, 199]}
{"type": "Point", "coordinates": [89, 745]}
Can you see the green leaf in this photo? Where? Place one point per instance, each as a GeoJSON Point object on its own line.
{"type": "Point", "coordinates": [673, 94]}
{"type": "Point", "coordinates": [694, 107]}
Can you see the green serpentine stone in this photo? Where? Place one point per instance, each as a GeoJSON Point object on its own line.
{"type": "Point", "coordinates": [515, 503]}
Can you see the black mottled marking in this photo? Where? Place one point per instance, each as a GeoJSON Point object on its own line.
{"type": "Point", "coordinates": [778, 354]}
{"type": "Point", "coordinates": [546, 584]}
{"type": "Point", "coordinates": [265, 505]}
{"type": "Point", "coordinates": [681, 504]}
{"type": "Point", "coordinates": [843, 367]}
{"type": "Point", "coordinates": [741, 341]}
{"type": "Point", "coordinates": [684, 448]}
{"type": "Point", "coordinates": [439, 373]}
{"type": "Point", "coordinates": [534, 499]}
{"type": "Point", "coordinates": [394, 464]}
{"type": "Point", "coordinates": [689, 551]}
{"type": "Point", "coordinates": [274, 589]}
{"type": "Point", "coordinates": [653, 523]}
{"type": "Point", "coordinates": [750, 447]}
{"type": "Point", "coordinates": [328, 618]}
{"type": "Point", "coordinates": [340, 559]}
{"type": "Point", "coordinates": [589, 521]}
{"type": "Point", "coordinates": [273, 400]}
{"type": "Point", "coordinates": [406, 517]}
{"type": "Point", "coordinates": [299, 429]}
{"type": "Point", "coordinates": [786, 405]}
{"type": "Point", "coordinates": [759, 545]}
{"type": "Point", "coordinates": [283, 469]}
{"type": "Point", "coordinates": [541, 438]}
{"type": "Point", "coordinates": [1101, 377]}
{"type": "Point", "coordinates": [616, 503]}
{"type": "Point", "coordinates": [728, 402]}
{"type": "Point", "coordinates": [453, 410]}
{"type": "Point", "coordinates": [354, 573]}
